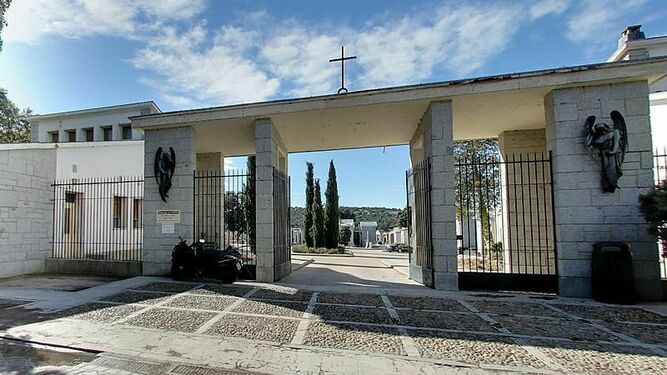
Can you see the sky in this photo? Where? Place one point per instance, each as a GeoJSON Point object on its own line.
{"type": "Point", "coordinates": [61, 55]}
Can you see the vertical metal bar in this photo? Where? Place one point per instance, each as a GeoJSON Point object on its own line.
{"type": "Point", "coordinates": [553, 214]}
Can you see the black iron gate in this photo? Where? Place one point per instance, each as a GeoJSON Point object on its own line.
{"type": "Point", "coordinates": [224, 212]}
{"type": "Point", "coordinates": [98, 218]}
{"type": "Point", "coordinates": [505, 231]}
{"type": "Point", "coordinates": [281, 220]}
{"type": "Point", "coordinates": [418, 185]}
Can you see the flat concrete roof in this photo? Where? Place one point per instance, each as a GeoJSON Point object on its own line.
{"type": "Point", "coordinates": [111, 108]}
{"type": "Point", "coordinates": [483, 107]}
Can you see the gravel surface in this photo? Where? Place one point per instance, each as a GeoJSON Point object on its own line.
{"type": "Point", "coordinates": [475, 349]}
{"type": "Point", "coordinates": [98, 312]}
{"type": "Point", "coordinates": [351, 299]}
{"type": "Point", "coordinates": [278, 308]}
{"type": "Point", "coordinates": [255, 328]}
{"type": "Point", "coordinates": [174, 320]}
{"type": "Point", "coordinates": [354, 337]}
{"type": "Point", "coordinates": [169, 287]}
{"type": "Point", "coordinates": [630, 314]}
{"type": "Point", "coordinates": [649, 334]}
{"type": "Point", "coordinates": [515, 308]}
{"type": "Point", "coordinates": [570, 329]}
{"type": "Point", "coordinates": [286, 295]}
{"type": "Point", "coordinates": [443, 320]}
{"type": "Point", "coordinates": [147, 298]}
{"type": "Point", "coordinates": [202, 302]}
{"type": "Point", "coordinates": [222, 290]}
{"type": "Point", "coordinates": [353, 314]}
{"type": "Point", "coordinates": [593, 358]}
{"type": "Point", "coordinates": [426, 303]}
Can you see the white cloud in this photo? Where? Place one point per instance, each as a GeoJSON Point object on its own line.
{"type": "Point", "coordinates": [548, 7]}
{"type": "Point", "coordinates": [30, 21]}
{"type": "Point", "coordinates": [188, 67]}
{"type": "Point", "coordinates": [597, 22]}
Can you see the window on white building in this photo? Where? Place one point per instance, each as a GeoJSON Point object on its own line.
{"type": "Point", "coordinates": [119, 212]}
{"type": "Point", "coordinates": [90, 134]}
{"type": "Point", "coordinates": [107, 133]}
{"type": "Point", "coordinates": [53, 137]}
{"type": "Point", "coordinates": [126, 131]}
{"type": "Point", "coordinates": [71, 135]}
{"type": "Point", "coordinates": [137, 207]}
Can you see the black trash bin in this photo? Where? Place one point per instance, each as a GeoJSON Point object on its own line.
{"type": "Point", "coordinates": [613, 278]}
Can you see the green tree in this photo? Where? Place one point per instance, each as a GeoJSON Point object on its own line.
{"type": "Point", "coordinates": [347, 213]}
{"type": "Point", "coordinates": [332, 213]}
{"type": "Point", "coordinates": [317, 231]}
{"type": "Point", "coordinates": [308, 214]}
{"type": "Point", "coordinates": [477, 184]}
{"type": "Point", "coordinates": [345, 235]}
{"type": "Point", "coordinates": [4, 5]}
{"type": "Point", "coordinates": [14, 125]}
{"type": "Point", "coordinates": [235, 218]}
{"type": "Point", "coordinates": [402, 218]}
{"type": "Point", "coordinates": [249, 202]}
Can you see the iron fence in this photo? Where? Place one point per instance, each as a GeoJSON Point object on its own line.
{"type": "Point", "coordinates": [281, 218]}
{"type": "Point", "coordinates": [660, 176]}
{"type": "Point", "coordinates": [504, 214]}
{"type": "Point", "coordinates": [98, 218]}
{"type": "Point", "coordinates": [224, 211]}
{"type": "Point", "coordinates": [418, 182]}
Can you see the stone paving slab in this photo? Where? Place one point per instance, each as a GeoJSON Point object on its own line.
{"type": "Point", "coordinates": [99, 312]}
{"type": "Point", "coordinates": [474, 349]}
{"type": "Point", "coordinates": [255, 328]}
{"type": "Point", "coordinates": [277, 308]}
{"type": "Point", "coordinates": [285, 295]}
{"type": "Point", "coordinates": [202, 302]}
{"type": "Point", "coordinates": [222, 290]}
{"type": "Point", "coordinates": [353, 314]}
{"type": "Point", "coordinates": [172, 320]}
{"type": "Point", "coordinates": [354, 337]}
{"type": "Point", "coordinates": [542, 327]}
{"type": "Point", "coordinates": [649, 334]}
{"type": "Point", "coordinates": [167, 287]}
{"type": "Point", "coordinates": [351, 299]}
{"type": "Point", "coordinates": [608, 313]}
{"type": "Point", "coordinates": [515, 308]}
{"type": "Point", "coordinates": [591, 358]}
{"type": "Point", "coordinates": [426, 303]}
{"type": "Point", "coordinates": [146, 298]}
{"type": "Point", "coordinates": [443, 320]}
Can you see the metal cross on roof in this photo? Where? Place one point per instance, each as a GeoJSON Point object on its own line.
{"type": "Point", "coordinates": [342, 67]}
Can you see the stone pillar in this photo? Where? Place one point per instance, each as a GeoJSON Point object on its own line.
{"type": "Point", "coordinates": [434, 139]}
{"type": "Point", "coordinates": [210, 218]}
{"type": "Point", "coordinates": [526, 196]}
{"type": "Point", "coordinates": [270, 153]}
{"type": "Point", "coordinates": [158, 245]}
{"type": "Point", "coordinates": [584, 214]}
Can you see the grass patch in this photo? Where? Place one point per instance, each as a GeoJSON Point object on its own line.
{"type": "Point", "coordinates": [303, 249]}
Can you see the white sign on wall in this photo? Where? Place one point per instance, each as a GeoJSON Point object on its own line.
{"type": "Point", "coordinates": [168, 217]}
{"type": "Point", "coordinates": [168, 228]}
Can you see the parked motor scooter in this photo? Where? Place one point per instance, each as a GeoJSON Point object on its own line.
{"type": "Point", "coordinates": [204, 259]}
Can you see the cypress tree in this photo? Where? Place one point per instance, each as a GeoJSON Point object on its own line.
{"type": "Point", "coordinates": [332, 214]}
{"type": "Point", "coordinates": [249, 206]}
{"type": "Point", "coordinates": [317, 230]}
{"type": "Point", "coordinates": [308, 212]}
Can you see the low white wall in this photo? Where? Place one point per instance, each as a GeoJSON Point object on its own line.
{"type": "Point", "coordinates": [26, 173]}
{"type": "Point", "coordinates": [100, 159]}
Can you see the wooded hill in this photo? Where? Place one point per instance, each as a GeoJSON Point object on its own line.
{"type": "Point", "coordinates": [386, 218]}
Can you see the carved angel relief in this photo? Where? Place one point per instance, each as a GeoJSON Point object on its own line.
{"type": "Point", "coordinates": [607, 144]}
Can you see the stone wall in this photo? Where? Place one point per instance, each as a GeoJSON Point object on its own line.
{"type": "Point", "coordinates": [434, 139]}
{"type": "Point", "coordinates": [158, 245]}
{"type": "Point", "coordinates": [270, 153]}
{"type": "Point", "coordinates": [26, 213]}
{"type": "Point", "coordinates": [584, 213]}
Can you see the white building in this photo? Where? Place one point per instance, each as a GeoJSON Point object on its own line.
{"type": "Point", "coordinates": [367, 230]}
{"type": "Point", "coordinates": [90, 125]}
{"type": "Point", "coordinates": [395, 235]}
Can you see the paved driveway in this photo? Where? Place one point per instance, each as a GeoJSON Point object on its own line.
{"type": "Point", "coordinates": [285, 330]}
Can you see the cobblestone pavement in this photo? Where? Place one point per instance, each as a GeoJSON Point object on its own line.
{"type": "Point", "coordinates": [460, 332]}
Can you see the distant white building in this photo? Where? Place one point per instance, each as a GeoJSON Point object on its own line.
{"type": "Point", "coordinates": [395, 235]}
{"type": "Point", "coordinates": [367, 233]}
{"type": "Point", "coordinates": [297, 236]}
